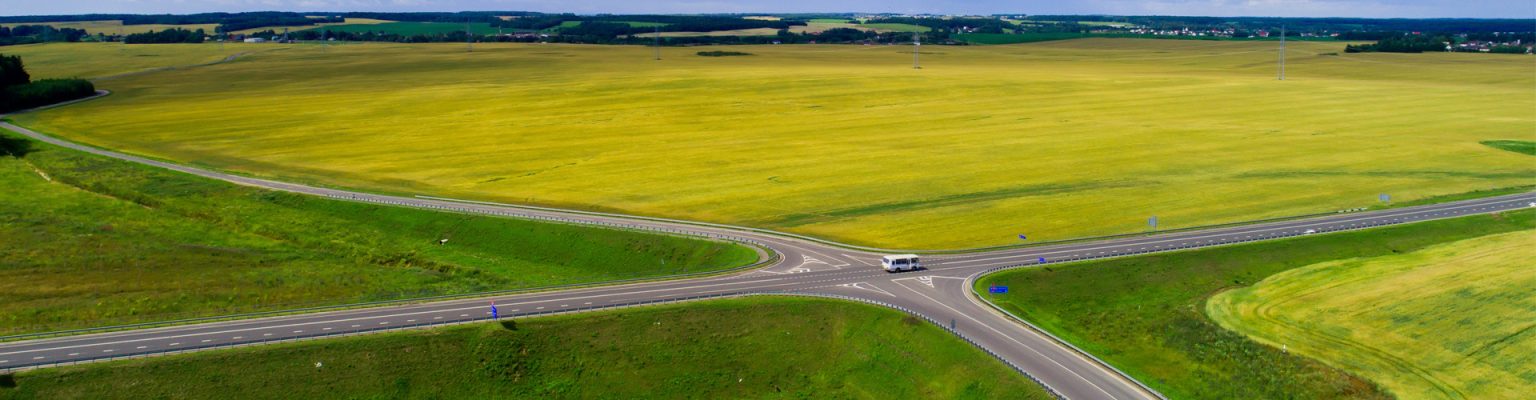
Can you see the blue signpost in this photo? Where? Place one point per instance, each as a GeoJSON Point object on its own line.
{"type": "Point", "coordinates": [1042, 260]}
{"type": "Point", "coordinates": [1153, 222]}
{"type": "Point", "coordinates": [494, 315]}
{"type": "Point", "coordinates": [995, 289]}
{"type": "Point", "coordinates": [1385, 198]}
{"type": "Point", "coordinates": [1021, 237]}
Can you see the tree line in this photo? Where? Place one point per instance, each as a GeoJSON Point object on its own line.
{"type": "Point", "coordinates": [18, 91]}
{"type": "Point", "coordinates": [27, 34]}
{"type": "Point", "coordinates": [1402, 44]}
{"type": "Point", "coordinates": [173, 35]}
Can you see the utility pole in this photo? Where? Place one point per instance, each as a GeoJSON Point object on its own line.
{"type": "Point", "coordinates": [917, 43]}
{"type": "Point", "coordinates": [658, 43]}
{"type": "Point", "coordinates": [469, 41]}
{"type": "Point", "coordinates": [1282, 52]}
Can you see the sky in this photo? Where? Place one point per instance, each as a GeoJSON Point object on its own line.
{"type": "Point", "coordinates": [1280, 8]}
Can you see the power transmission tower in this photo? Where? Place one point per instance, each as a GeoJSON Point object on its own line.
{"type": "Point", "coordinates": [917, 44]}
{"type": "Point", "coordinates": [658, 43]}
{"type": "Point", "coordinates": [469, 41]}
{"type": "Point", "coordinates": [1282, 52]}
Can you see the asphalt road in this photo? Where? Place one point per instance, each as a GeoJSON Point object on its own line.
{"type": "Point", "coordinates": [804, 266]}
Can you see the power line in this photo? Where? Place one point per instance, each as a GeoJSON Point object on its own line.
{"type": "Point", "coordinates": [917, 43]}
{"type": "Point", "coordinates": [1282, 52]}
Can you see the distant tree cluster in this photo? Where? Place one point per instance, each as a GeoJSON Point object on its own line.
{"type": "Point", "coordinates": [722, 54]}
{"type": "Point", "coordinates": [1445, 25]}
{"type": "Point", "coordinates": [173, 35]}
{"type": "Point", "coordinates": [25, 34]}
{"type": "Point", "coordinates": [18, 91]}
{"type": "Point", "coordinates": [1402, 44]}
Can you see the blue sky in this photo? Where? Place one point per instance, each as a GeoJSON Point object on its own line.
{"type": "Point", "coordinates": [1284, 8]}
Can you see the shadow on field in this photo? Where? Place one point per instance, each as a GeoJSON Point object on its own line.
{"type": "Point", "coordinates": [14, 147]}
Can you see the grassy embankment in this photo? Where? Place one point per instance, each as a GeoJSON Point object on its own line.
{"type": "Point", "coordinates": [1451, 321]}
{"type": "Point", "coordinates": [91, 241]}
{"type": "Point", "coordinates": [1052, 139]}
{"type": "Point", "coordinates": [738, 348]}
{"type": "Point", "coordinates": [1145, 315]}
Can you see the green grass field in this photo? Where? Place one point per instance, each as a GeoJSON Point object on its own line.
{"type": "Point", "coordinates": [348, 21]}
{"type": "Point", "coordinates": [739, 348]}
{"type": "Point", "coordinates": [1146, 315]}
{"type": "Point", "coordinates": [411, 28]}
{"type": "Point", "coordinates": [91, 241]}
{"type": "Point", "coordinates": [886, 27]}
{"type": "Point", "coordinates": [1059, 139]}
{"type": "Point", "coordinates": [1518, 146]}
{"type": "Point", "coordinates": [1451, 321]}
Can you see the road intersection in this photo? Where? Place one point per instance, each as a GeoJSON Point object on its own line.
{"type": "Point", "coordinates": [800, 266]}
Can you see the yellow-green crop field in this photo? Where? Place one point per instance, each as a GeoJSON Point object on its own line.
{"type": "Point", "coordinates": [1454, 321]}
{"type": "Point", "coordinates": [1054, 139]}
{"type": "Point", "coordinates": [100, 60]}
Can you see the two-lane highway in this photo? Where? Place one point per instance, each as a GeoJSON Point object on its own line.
{"type": "Point", "coordinates": [940, 293]}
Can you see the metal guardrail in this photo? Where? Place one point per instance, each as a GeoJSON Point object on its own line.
{"type": "Point", "coordinates": [323, 335]}
{"type": "Point", "coordinates": [773, 257]}
{"type": "Point", "coordinates": [434, 324]}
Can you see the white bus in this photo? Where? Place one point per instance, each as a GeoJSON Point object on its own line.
{"type": "Point", "coordinates": [901, 262]}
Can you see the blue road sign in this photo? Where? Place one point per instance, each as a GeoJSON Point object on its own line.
{"type": "Point", "coordinates": [997, 289]}
{"type": "Point", "coordinates": [1042, 260]}
{"type": "Point", "coordinates": [494, 315]}
{"type": "Point", "coordinates": [1152, 221]}
{"type": "Point", "coordinates": [1021, 237]}
{"type": "Point", "coordinates": [1385, 198]}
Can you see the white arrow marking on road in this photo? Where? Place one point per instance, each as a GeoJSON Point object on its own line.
{"type": "Point", "coordinates": [866, 286]}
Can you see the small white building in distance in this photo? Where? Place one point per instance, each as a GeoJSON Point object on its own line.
{"type": "Point", "coordinates": [255, 40]}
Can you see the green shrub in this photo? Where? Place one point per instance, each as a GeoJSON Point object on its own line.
{"type": "Point", "coordinates": [44, 92]}
{"type": "Point", "coordinates": [723, 53]}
